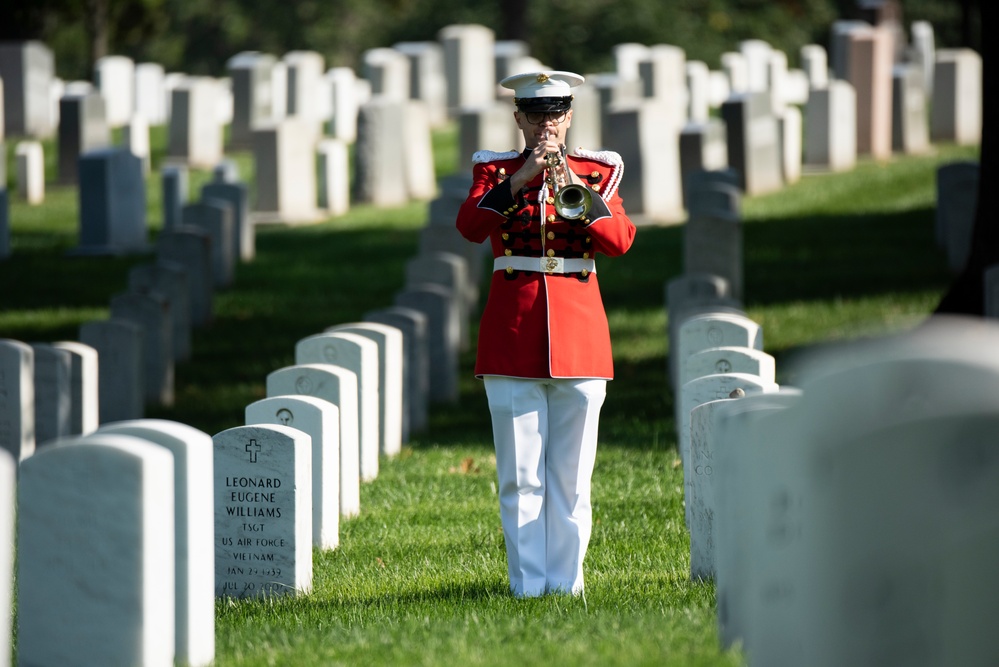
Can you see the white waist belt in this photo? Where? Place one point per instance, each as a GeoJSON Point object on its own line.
{"type": "Point", "coordinates": [545, 264]}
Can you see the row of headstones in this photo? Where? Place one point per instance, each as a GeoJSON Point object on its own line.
{"type": "Point", "coordinates": [349, 390]}
{"type": "Point", "coordinates": [854, 519]}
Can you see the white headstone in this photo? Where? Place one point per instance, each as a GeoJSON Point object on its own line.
{"type": "Point", "coordinates": [236, 194]}
{"type": "Point", "coordinates": [910, 123]}
{"type": "Point", "coordinates": [924, 52]}
{"type": "Point", "coordinates": [486, 127]}
{"type": "Point", "coordinates": [831, 127]}
{"type": "Point", "coordinates": [735, 67]}
{"type": "Point", "coordinates": [441, 309]}
{"type": "Point", "coordinates": [115, 79]}
{"type": "Point", "coordinates": [450, 271]}
{"type": "Point", "coordinates": [790, 143]}
{"type": "Point", "coordinates": [121, 377]}
{"type": "Point", "coordinates": [17, 395]}
{"type": "Point", "coordinates": [957, 97]}
{"type": "Point", "coordinates": [360, 356]}
{"type": "Point", "coordinates": [84, 383]}
{"type": "Point", "coordinates": [263, 511]}
{"type": "Point", "coordinates": [388, 72]}
{"type": "Point", "coordinates": [150, 93]}
{"type": "Point", "coordinates": [8, 495]}
{"type": "Point", "coordinates": [252, 93]}
{"type": "Point", "coordinates": [215, 217]}
{"type": "Point", "coordinates": [468, 65]}
{"type": "Point", "coordinates": [380, 153]}
{"type": "Point", "coordinates": [703, 330]}
{"type": "Point", "coordinates": [650, 149]}
{"type": "Point", "coordinates": [664, 78]}
{"type": "Point", "coordinates": [714, 360]}
{"type": "Point", "coordinates": [890, 504]}
{"type": "Point", "coordinates": [320, 419]}
{"type": "Point", "coordinates": [416, 364]}
{"type": "Point", "coordinates": [338, 386]}
{"type": "Point", "coordinates": [135, 137]}
{"type": "Point", "coordinates": [83, 128]}
{"type": "Point", "coordinates": [30, 171]}
{"type": "Point", "coordinates": [107, 499]}
{"type": "Point", "coordinates": [740, 436]}
{"type": "Point", "coordinates": [305, 74]}
{"type": "Point", "coordinates": [27, 69]}
{"type": "Point", "coordinates": [712, 244]}
{"type": "Point", "coordinates": [195, 134]}
{"type": "Point", "coordinates": [390, 379]}
{"type": "Point", "coordinates": [815, 63]}
{"type": "Point", "coordinates": [334, 176]}
{"type": "Point", "coordinates": [343, 87]}
{"type": "Point", "coordinates": [427, 81]}
{"type": "Point", "coordinates": [754, 144]}
{"type": "Point", "coordinates": [699, 391]}
{"type": "Point", "coordinates": [53, 402]}
{"type": "Point", "coordinates": [698, 78]}
{"type": "Point", "coordinates": [191, 248]}
{"type": "Point", "coordinates": [112, 203]}
{"type": "Point", "coordinates": [194, 531]}
{"type": "Point", "coordinates": [285, 174]}
{"type": "Point", "coordinates": [687, 295]}
{"type": "Point", "coordinates": [171, 280]}
{"type": "Point", "coordinates": [151, 312]}
{"type": "Point", "coordinates": [700, 490]}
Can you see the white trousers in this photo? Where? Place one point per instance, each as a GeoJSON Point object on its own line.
{"type": "Point", "coordinates": [545, 433]}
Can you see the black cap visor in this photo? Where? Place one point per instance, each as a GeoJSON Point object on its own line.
{"type": "Point", "coordinates": [544, 104]}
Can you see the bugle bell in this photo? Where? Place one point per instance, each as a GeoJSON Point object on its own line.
{"type": "Point", "coordinates": [571, 201]}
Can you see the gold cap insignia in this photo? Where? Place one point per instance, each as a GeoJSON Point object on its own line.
{"type": "Point", "coordinates": [542, 77]}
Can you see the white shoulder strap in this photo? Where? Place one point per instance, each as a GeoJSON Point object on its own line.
{"type": "Point", "coordinates": [609, 158]}
{"type": "Point", "coordinates": [489, 156]}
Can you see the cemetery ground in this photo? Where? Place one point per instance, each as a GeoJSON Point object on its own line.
{"type": "Point", "coordinates": [419, 577]}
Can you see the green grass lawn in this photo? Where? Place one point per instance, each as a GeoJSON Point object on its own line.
{"type": "Point", "coordinates": [420, 576]}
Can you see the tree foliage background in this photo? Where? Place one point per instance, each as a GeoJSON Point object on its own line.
{"type": "Point", "coordinates": [199, 36]}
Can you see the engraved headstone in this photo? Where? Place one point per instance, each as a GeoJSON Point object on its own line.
{"type": "Point", "coordinates": [416, 364]}
{"type": "Point", "coordinates": [338, 386]}
{"type": "Point", "coordinates": [263, 511]}
{"type": "Point", "coordinates": [320, 419]}
{"type": "Point", "coordinates": [742, 438]}
{"type": "Point", "coordinates": [360, 356]}
{"type": "Point", "coordinates": [687, 295]}
{"type": "Point", "coordinates": [893, 507]}
{"type": "Point", "coordinates": [700, 490]}
{"type": "Point", "coordinates": [84, 386]}
{"type": "Point", "coordinates": [194, 534]}
{"type": "Point", "coordinates": [730, 359]}
{"type": "Point", "coordinates": [107, 499]}
{"type": "Point", "coordinates": [703, 330]}
{"type": "Point", "coordinates": [390, 379]}
{"type": "Point", "coordinates": [120, 367]}
{"type": "Point", "coordinates": [699, 391]}
{"type": "Point", "coordinates": [17, 391]}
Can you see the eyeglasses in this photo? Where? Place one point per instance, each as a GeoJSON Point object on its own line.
{"type": "Point", "coordinates": [538, 117]}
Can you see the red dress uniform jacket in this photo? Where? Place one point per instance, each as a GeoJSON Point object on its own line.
{"type": "Point", "coordinates": [537, 324]}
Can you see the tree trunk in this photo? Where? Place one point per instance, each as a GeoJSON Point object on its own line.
{"type": "Point", "coordinates": [967, 293]}
{"type": "Point", "coordinates": [97, 29]}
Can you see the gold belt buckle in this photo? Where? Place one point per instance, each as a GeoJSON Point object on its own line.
{"type": "Point", "coordinates": [551, 264]}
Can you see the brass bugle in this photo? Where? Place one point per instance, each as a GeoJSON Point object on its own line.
{"type": "Point", "coordinates": [571, 201]}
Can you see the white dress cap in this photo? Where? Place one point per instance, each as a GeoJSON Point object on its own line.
{"type": "Point", "coordinates": [542, 84]}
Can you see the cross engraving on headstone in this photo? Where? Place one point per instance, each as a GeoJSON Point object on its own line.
{"type": "Point", "coordinates": [253, 448]}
